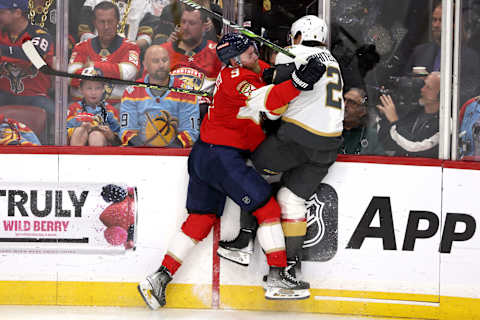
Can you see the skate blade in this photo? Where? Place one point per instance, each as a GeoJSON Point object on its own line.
{"type": "Point", "coordinates": [145, 291]}
{"type": "Point", "coordinates": [286, 294]}
{"type": "Point", "coordinates": [239, 257]}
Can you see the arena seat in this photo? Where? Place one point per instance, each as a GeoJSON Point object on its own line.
{"type": "Point", "coordinates": [33, 117]}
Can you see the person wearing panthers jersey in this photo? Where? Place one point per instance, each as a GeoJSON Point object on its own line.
{"type": "Point", "coordinates": [20, 82]}
{"type": "Point", "coordinates": [152, 117]}
{"type": "Point", "coordinates": [307, 141]}
{"type": "Point", "coordinates": [92, 122]}
{"type": "Point", "coordinates": [189, 49]}
{"type": "Point", "coordinates": [44, 13]}
{"type": "Point", "coordinates": [136, 19]}
{"type": "Point", "coordinates": [15, 133]}
{"type": "Point", "coordinates": [217, 168]}
{"type": "Point", "coordinates": [115, 56]}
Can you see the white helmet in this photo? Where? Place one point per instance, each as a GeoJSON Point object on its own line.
{"type": "Point", "coordinates": [311, 27]}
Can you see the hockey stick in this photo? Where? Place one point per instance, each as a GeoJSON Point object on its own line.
{"type": "Point", "coordinates": [42, 66]}
{"type": "Point", "coordinates": [242, 30]}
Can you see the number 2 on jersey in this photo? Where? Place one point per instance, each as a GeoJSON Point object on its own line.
{"type": "Point", "coordinates": [334, 86]}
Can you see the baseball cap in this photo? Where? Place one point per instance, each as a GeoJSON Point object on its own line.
{"type": "Point", "coordinates": [14, 4]}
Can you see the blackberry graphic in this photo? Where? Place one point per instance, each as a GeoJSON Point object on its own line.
{"type": "Point", "coordinates": [113, 193]}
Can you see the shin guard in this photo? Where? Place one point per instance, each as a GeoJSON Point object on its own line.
{"type": "Point", "coordinates": [270, 234]}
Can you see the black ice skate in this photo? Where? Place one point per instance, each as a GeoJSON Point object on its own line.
{"type": "Point", "coordinates": [152, 289]}
{"type": "Point", "coordinates": [293, 268]}
{"type": "Point", "coordinates": [281, 285]}
{"type": "Point", "coordinates": [239, 249]}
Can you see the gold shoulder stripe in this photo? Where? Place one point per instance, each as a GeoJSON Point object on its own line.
{"type": "Point", "coordinates": [311, 130]}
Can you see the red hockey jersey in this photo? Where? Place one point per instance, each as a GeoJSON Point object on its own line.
{"type": "Point", "coordinates": [120, 61]}
{"type": "Point", "coordinates": [17, 74]}
{"type": "Point", "coordinates": [224, 125]}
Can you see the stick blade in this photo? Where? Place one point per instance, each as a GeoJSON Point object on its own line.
{"type": "Point", "coordinates": [33, 55]}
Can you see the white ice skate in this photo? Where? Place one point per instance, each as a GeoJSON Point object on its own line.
{"type": "Point", "coordinates": [281, 285]}
{"type": "Point", "coordinates": [152, 289]}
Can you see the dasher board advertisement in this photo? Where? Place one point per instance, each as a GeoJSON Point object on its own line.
{"type": "Point", "coordinates": [67, 218]}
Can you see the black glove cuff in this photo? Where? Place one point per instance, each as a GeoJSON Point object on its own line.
{"type": "Point", "coordinates": [268, 75]}
{"type": "Point", "coordinates": [300, 84]}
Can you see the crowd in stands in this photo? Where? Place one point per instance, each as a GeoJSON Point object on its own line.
{"type": "Point", "coordinates": [390, 109]}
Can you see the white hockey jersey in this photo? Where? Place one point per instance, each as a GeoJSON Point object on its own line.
{"type": "Point", "coordinates": [138, 10]}
{"type": "Point", "coordinates": [321, 110]}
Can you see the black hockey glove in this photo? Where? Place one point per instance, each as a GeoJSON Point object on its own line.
{"type": "Point", "coordinates": [308, 74]}
{"type": "Point", "coordinates": [268, 75]}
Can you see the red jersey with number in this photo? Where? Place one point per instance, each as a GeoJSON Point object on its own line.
{"type": "Point", "coordinates": [119, 61]}
{"type": "Point", "coordinates": [225, 124]}
{"type": "Point", "coordinates": [17, 74]}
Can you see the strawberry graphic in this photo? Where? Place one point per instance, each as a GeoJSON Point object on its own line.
{"type": "Point", "coordinates": [115, 235]}
{"type": "Point", "coordinates": [119, 214]}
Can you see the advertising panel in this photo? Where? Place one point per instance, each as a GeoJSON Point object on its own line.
{"type": "Point", "coordinates": [67, 218]}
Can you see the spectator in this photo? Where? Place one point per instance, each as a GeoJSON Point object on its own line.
{"type": "Point", "coordinates": [44, 14]}
{"type": "Point", "coordinates": [92, 122]}
{"type": "Point", "coordinates": [15, 133]}
{"type": "Point", "coordinates": [358, 136]}
{"type": "Point", "coordinates": [136, 20]}
{"type": "Point", "coordinates": [417, 133]}
{"type": "Point", "coordinates": [115, 56]}
{"type": "Point", "coordinates": [159, 118]}
{"type": "Point", "coordinates": [428, 55]}
{"type": "Point", "coordinates": [20, 81]}
{"type": "Point", "coordinates": [354, 126]}
{"type": "Point", "coordinates": [469, 136]}
{"type": "Point", "coordinates": [188, 49]}
{"type": "Point", "coordinates": [172, 14]}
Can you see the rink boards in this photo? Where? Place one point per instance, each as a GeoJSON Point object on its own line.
{"type": "Point", "coordinates": [400, 241]}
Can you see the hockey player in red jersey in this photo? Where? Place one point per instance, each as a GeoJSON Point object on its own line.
{"type": "Point", "coordinates": [217, 168]}
{"type": "Point", "coordinates": [115, 56]}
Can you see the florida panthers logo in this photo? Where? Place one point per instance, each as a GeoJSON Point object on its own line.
{"type": "Point", "coordinates": [190, 78]}
{"type": "Point", "coordinates": [16, 75]}
{"type": "Point", "coordinates": [314, 222]}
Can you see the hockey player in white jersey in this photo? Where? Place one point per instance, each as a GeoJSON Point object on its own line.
{"type": "Point", "coordinates": [305, 145]}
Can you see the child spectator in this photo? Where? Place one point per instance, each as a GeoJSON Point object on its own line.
{"type": "Point", "coordinates": [92, 121]}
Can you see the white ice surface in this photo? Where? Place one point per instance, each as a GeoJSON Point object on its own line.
{"type": "Point", "coordinates": [117, 313]}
